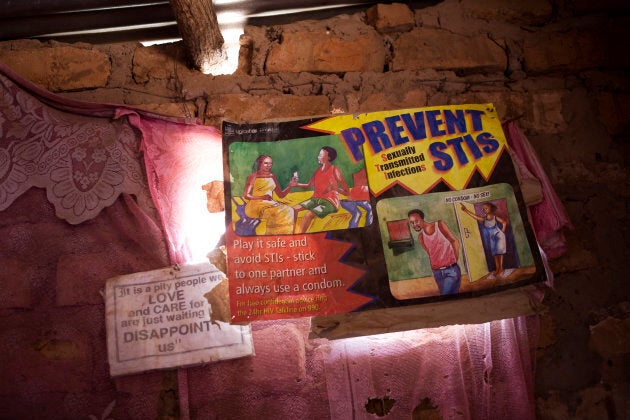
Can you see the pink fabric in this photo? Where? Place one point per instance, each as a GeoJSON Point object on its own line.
{"type": "Point", "coordinates": [83, 160]}
{"type": "Point", "coordinates": [466, 371]}
{"type": "Point", "coordinates": [180, 159]}
{"type": "Point", "coordinates": [52, 346]}
{"type": "Point", "coordinates": [52, 327]}
{"type": "Point", "coordinates": [483, 371]}
{"type": "Point", "coordinates": [549, 217]}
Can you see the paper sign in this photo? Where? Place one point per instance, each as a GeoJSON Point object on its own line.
{"type": "Point", "coordinates": [161, 319]}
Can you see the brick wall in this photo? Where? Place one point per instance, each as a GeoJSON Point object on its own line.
{"type": "Point", "coordinates": [560, 68]}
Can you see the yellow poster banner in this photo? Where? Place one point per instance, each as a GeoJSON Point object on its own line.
{"type": "Point", "coordinates": [419, 148]}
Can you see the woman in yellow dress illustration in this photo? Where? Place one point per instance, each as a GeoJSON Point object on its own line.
{"type": "Point", "coordinates": [259, 189]}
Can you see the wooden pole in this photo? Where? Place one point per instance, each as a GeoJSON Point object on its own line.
{"type": "Point", "coordinates": [200, 32]}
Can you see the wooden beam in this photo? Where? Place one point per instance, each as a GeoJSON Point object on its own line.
{"type": "Point", "coordinates": [201, 35]}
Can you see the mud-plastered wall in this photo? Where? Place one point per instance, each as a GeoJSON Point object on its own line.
{"type": "Point", "coordinates": [558, 68]}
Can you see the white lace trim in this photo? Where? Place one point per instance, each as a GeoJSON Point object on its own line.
{"type": "Point", "coordinates": [83, 162]}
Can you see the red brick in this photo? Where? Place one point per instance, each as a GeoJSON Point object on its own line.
{"type": "Point", "coordinates": [611, 337]}
{"type": "Point", "coordinates": [243, 107]}
{"type": "Point", "coordinates": [80, 277]}
{"type": "Point", "coordinates": [546, 108]}
{"type": "Point", "coordinates": [507, 104]}
{"type": "Point", "coordinates": [575, 50]}
{"type": "Point", "coordinates": [174, 109]}
{"type": "Point", "coordinates": [614, 112]}
{"type": "Point", "coordinates": [324, 51]}
{"type": "Point", "coordinates": [279, 363]}
{"type": "Point", "coordinates": [589, 6]}
{"type": "Point", "coordinates": [531, 12]}
{"type": "Point", "coordinates": [423, 49]}
{"type": "Point", "coordinates": [61, 68]}
{"type": "Point", "coordinates": [15, 281]}
{"type": "Point", "coordinates": [54, 361]}
{"type": "Point", "coordinates": [395, 17]}
{"type": "Point", "coordinates": [158, 62]}
{"type": "Point", "coordinates": [540, 111]}
{"type": "Point", "coordinates": [379, 101]}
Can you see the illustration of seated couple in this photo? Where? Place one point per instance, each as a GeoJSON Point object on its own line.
{"type": "Point", "coordinates": [328, 185]}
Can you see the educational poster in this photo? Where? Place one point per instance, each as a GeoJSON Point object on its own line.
{"type": "Point", "coordinates": [357, 212]}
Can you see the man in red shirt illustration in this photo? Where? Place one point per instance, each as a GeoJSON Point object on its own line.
{"type": "Point", "coordinates": [328, 182]}
{"type": "Point", "coordinates": [442, 248]}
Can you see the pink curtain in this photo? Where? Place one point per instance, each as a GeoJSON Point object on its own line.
{"type": "Point", "coordinates": [180, 159]}
{"type": "Point", "coordinates": [483, 371]}
{"type": "Point", "coordinates": [549, 217]}
{"type": "Point", "coordinates": [75, 210]}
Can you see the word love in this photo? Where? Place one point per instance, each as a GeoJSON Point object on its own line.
{"type": "Point", "coordinates": [171, 301]}
{"type": "Point", "coordinates": [166, 297]}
